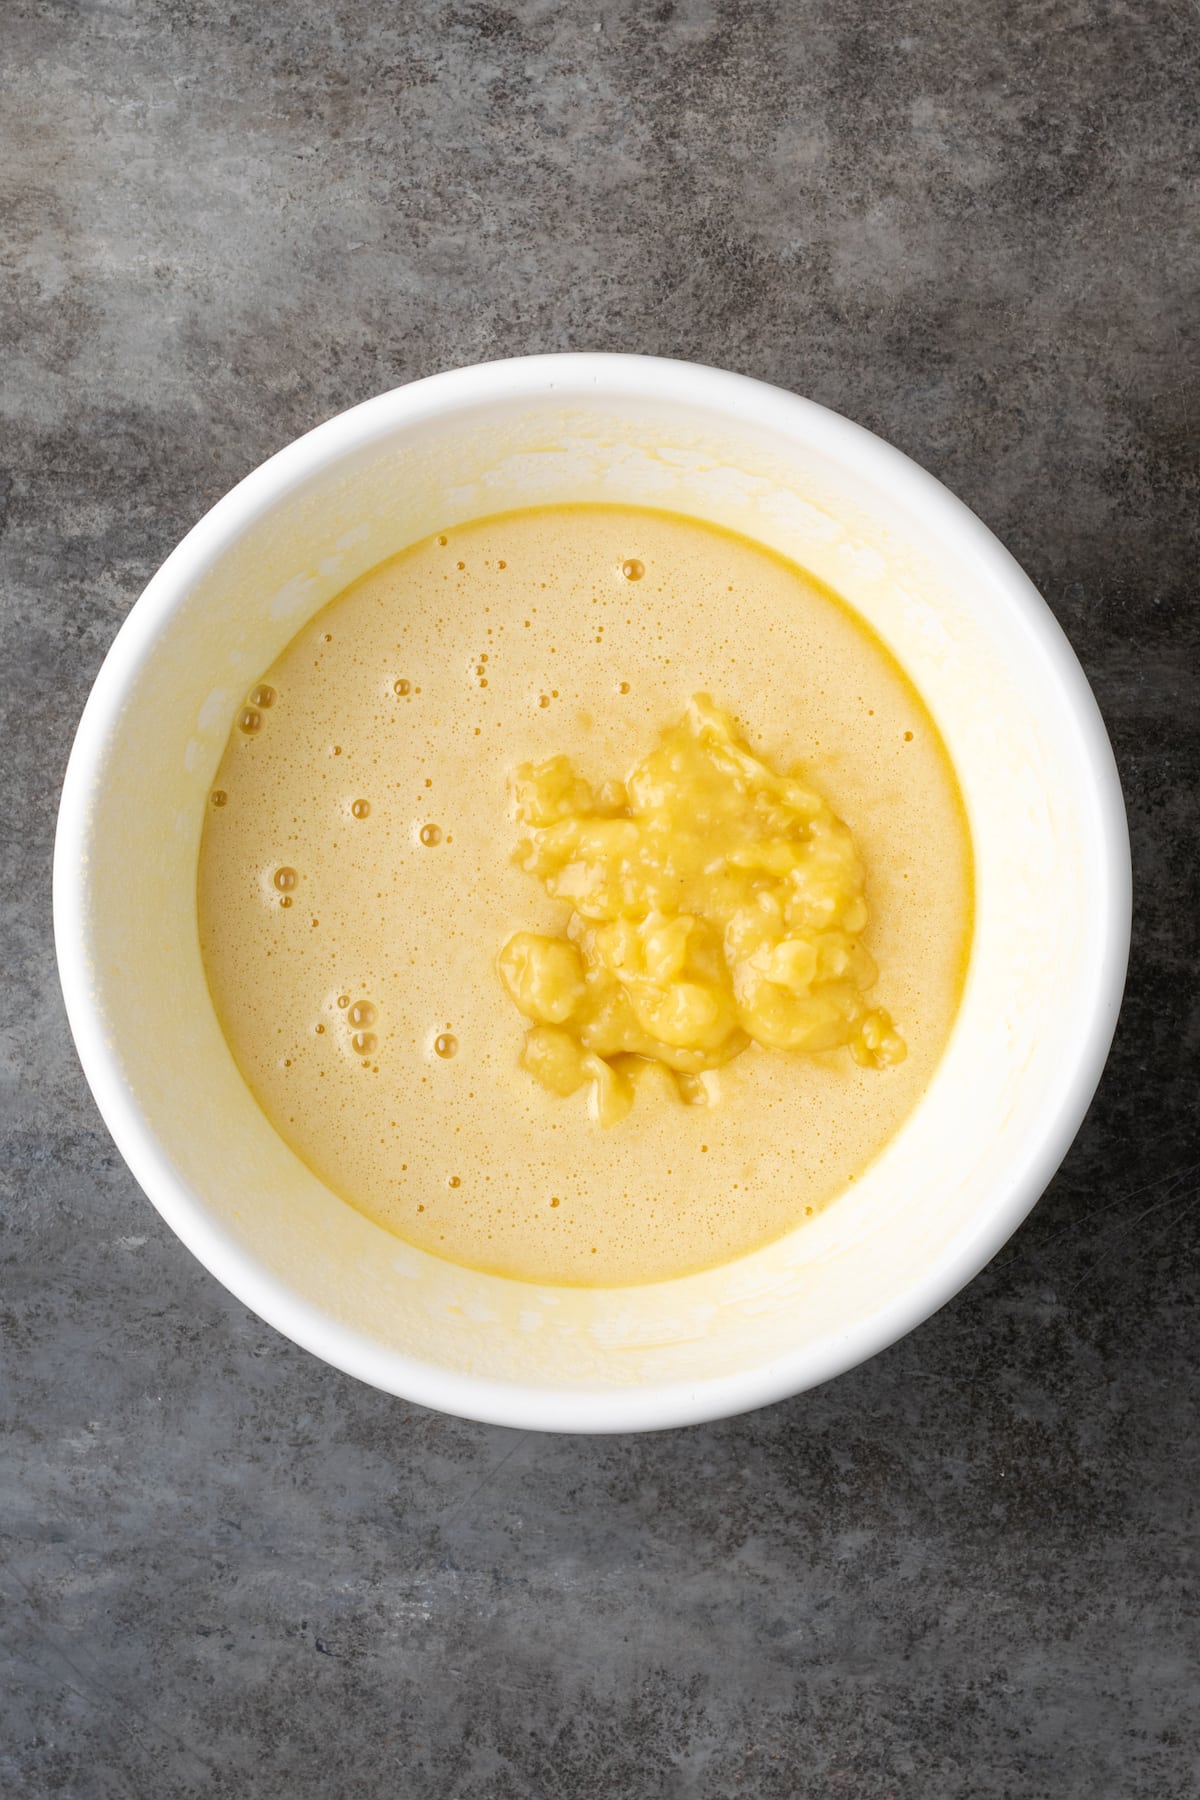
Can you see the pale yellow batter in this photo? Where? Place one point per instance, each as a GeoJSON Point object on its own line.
{"type": "Point", "coordinates": [356, 887]}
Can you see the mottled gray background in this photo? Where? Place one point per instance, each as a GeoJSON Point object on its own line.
{"type": "Point", "coordinates": [964, 1570]}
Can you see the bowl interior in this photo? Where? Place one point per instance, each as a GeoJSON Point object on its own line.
{"type": "Point", "coordinates": [1018, 720]}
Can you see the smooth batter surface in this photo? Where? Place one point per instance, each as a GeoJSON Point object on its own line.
{"type": "Point", "coordinates": [356, 885]}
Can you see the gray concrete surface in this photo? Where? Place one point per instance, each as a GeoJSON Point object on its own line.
{"type": "Point", "coordinates": [964, 1570]}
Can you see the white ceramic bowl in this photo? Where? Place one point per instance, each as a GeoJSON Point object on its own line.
{"type": "Point", "coordinates": [1052, 891]}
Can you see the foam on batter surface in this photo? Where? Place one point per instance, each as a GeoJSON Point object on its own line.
{"type": "Point", "coordinates": [357, 888]}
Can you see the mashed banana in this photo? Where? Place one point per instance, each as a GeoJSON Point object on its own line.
{"type": "Point", "coordinates": [714, 903]}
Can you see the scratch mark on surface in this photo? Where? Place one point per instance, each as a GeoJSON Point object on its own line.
{"type": "Point", "coordinates": [1127, 1227]}
{"type": "Point", "coordinates": [456, 1511]}
{"type": "Point", "coordinates": [115, 1709]}
{"type": "Point", "coordinates": [1172, 1177]}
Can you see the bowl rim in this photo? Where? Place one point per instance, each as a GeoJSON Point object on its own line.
{"type": "Point", "coordinates": [519, 1404]}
